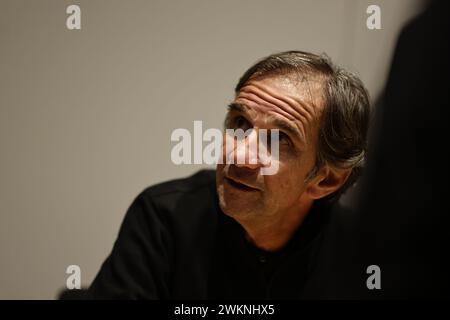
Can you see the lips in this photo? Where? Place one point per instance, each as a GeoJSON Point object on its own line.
{"type": "Point", "coordinates": [240, 185]}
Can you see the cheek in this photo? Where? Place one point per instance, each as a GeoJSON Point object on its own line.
{"type": "Point", "coordinates": [288, 182]}
{"type": "Point", "coordinates": [219, 172]}
{"type": "Point", "coordinates": [223, 150]}
{"type": "Point", "coordinates": [224, 155]}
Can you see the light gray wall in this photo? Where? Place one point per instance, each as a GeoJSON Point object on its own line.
{"type": "Point", "coordinates": [86, 116]}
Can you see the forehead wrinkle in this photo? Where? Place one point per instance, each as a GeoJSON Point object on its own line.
{"type": "Point", "coordinates": [273, 101]}
{"type": "Point", "coordinates": [308, 110]}
{"type": "Point", "coordinates": [276, 120]}
{"type": "Point", "coordinates": [263, 103]}
{"type": "Point", "coordinates": [301, 117]}
{"type": "Point", "coordinates": [305, 117]}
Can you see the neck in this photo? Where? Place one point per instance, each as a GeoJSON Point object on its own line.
{"type": "Point", "coordinates": [272, 234]}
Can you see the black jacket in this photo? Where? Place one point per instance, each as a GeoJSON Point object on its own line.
{"type": "Point", "coordinates": [176, 243]}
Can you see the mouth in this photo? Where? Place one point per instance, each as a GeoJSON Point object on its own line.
{"type": "Point", "coordinates": [239, 186]}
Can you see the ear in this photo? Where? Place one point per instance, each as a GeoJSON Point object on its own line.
{"type": "Point", "coordinates": [327, 181]}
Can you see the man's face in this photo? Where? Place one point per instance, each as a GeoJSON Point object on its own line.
{"type": "Point", "coordinates": [293, 107]}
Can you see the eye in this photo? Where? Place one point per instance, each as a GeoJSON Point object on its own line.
{"type": "Point", "coordinates": [284, 139]}
{"type": "Point", "coordinates": [241, 123]}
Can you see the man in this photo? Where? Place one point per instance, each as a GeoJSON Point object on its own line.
{"type": "Point", "coordinates": [237, 233]}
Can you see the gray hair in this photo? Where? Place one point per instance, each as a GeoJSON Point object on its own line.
{"type": "Point", "coordinates": [344, 124]}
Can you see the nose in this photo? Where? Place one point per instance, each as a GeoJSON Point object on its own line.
{"type": "Point", "coordinates": [246, 151]}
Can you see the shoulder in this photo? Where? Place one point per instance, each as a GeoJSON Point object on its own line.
{"type": "Point", "coordinates": [196, 182]}
{"type": "Point", "coordinates": [182, 201]}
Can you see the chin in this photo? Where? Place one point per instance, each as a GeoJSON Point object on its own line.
{"type": "Point", "coordinates": [237, 203]}
{"type": "Point", "coordinates": [236, 208]}
{"type": "Point", "coordinates": [238, 212]}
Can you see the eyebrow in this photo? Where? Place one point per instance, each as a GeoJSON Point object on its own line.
{"type": "Point", "coordinates": [281, 124]}
{"type": "Point", "coordinates": [238, 107]}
